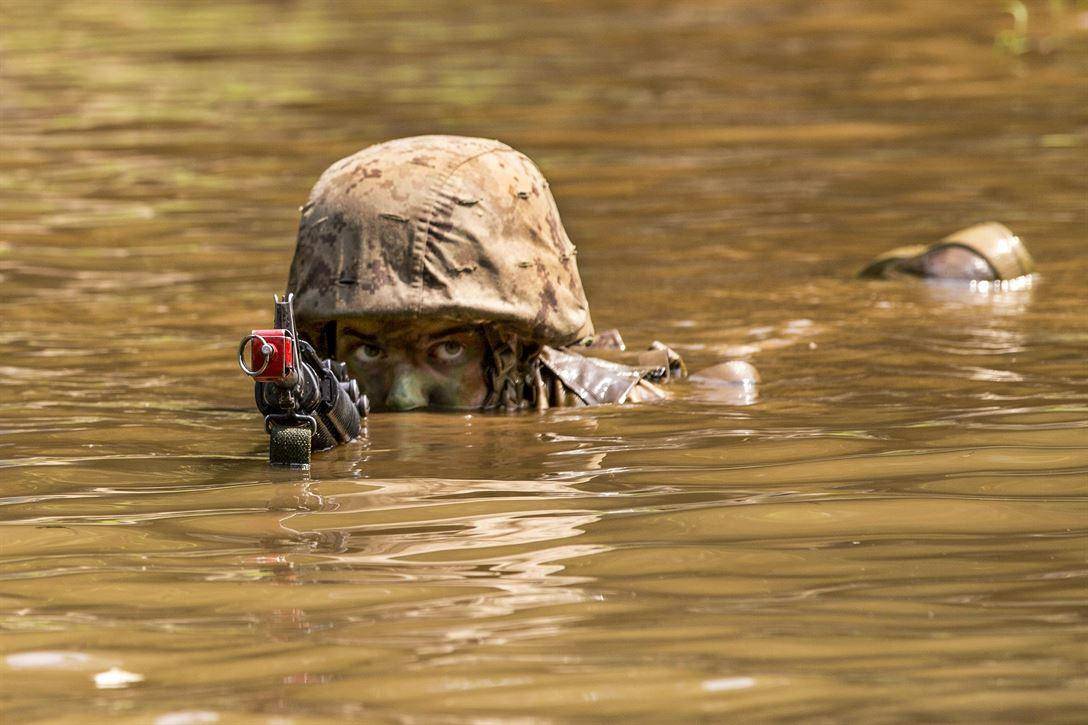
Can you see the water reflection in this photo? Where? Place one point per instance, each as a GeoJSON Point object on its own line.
{"type": "Point", "coordinates": [892, 529]}
{"type": "Point", "coordinates": [996, 299]}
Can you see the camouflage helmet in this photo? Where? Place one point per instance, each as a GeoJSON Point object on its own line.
{"type": "Point", "coordinates": [1004, 254]}
{"type": "Point", "coordinates": [438, 226]}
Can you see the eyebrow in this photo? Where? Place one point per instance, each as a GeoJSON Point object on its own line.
{"type": "Point", "coordinates": [448, 332]}
{"type": "Point", "coordinates": [347, 331]}
{"type": "Point", "coordinates": [461, 329]}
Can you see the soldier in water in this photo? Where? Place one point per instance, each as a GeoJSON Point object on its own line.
{"type": "Point", "coordinates": [438, 269]}
{"type": "Point", "coordinates": [983, 252]}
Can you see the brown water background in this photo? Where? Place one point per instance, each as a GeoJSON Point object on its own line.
{"type": "Point", "coordinates": [895, 531]}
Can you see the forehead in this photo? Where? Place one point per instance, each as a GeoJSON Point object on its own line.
{"type": "Point", "coordinates": [404, 330]}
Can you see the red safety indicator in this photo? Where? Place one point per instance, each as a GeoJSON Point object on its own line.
{"type": "Point", "coordinates": [271, 355]}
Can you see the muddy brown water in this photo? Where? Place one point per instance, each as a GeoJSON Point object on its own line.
{"type": "Point", "coordinates": [894, 531]}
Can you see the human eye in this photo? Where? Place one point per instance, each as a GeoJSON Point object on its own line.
{"type": "Point", "coordinates": [448, 351]}
{"type": "Point", "coordinates": [369, 352]}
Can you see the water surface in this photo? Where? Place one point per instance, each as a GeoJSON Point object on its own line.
{"type": "Point", "coordinates": [894, 531]}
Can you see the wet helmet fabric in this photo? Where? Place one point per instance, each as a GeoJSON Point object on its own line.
{"type": "Point", "coordinates": [438, 226]}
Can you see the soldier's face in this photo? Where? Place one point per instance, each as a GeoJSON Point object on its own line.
{"type": "Point", "coordinates": [402, 366]}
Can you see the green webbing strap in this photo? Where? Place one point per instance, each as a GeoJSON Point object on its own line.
{"type": "Point", "coordinates": [289, 445]}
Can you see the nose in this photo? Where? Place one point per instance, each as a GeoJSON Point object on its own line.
{"type": "Point", "coordinates": [407, 391]}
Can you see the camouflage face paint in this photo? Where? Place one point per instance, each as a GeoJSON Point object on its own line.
{"type": "Point", "coordinates": [422, 365]}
